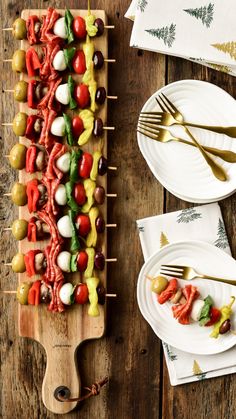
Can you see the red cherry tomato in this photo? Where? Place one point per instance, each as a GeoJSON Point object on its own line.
{"type": "Point", "coordinates": [82, 261]}
{"type": "Point", "coordinates": [81, 95]}
{"type": "Point", "coordinates": [78, 62]}
{"type": "Point", "coordinates": [214, 316]}
{"type": "Point", "coordinates": [85, 165]}
{"type": "Point", "coordinates": [81, 294]}
{"type": "Point", "coordinates": [77, 126]}
{"type": "Point", "coordinates": [83, 225]}
{"type": "Point", "coordinates": [79, 194]}
{"type": "Point", "coordinates": [79, 27]}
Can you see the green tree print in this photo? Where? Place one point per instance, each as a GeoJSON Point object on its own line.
{"type": "Point", "coordinates": [222, 241]}
{"type": "Point", "coordinates": [228, 48]}
{"type": "Point", "coordinates": [166, 33]}
{"type": "Point", "coordinates": [142, 5]}
{"type": "Point", "coordinates": [187, 215]}
{"type": "Point", "coordinates": [170, 354]}
{"type": "Point", "coordinates": [204, 13]}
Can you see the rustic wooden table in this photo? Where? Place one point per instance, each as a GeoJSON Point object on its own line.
{"type": "Point", "coordinates": [130, 353]}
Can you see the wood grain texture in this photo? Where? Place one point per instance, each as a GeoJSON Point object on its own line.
{"type": "Point", "coordinates": [129, 353]}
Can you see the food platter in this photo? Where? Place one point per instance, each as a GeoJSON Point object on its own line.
{"type": "Point", "coordinates": [207, 259]}
{"type": "Point", "coordinates": [61, 333]}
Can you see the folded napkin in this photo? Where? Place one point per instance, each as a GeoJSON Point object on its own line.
{"type": "Point", "coordinates": [203, 32]}
{"type": "Point", "coordinates": [203, 223]}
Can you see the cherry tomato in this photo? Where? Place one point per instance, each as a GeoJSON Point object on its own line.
{"type": "Point", "coordinates": [82, 261]}
{"type": "Point", "coordinates": [214, 316]}
{"type": "Point", "coordinates": [81, 294]}
{"type": "Point", "coordinates": [77, 126]}
{"type": "Point", "coordinates": [78, 62]}
{"type": "Point", "coordinates": [79, 27]}
{"type": "Point", "coordinates": [81, 95]}
{"type": "Point", "coordinates": [79, 194]}
{"type": "Point", "coordinates": [85, 165]}
{"type": "Point", "coordinates": [83, 225]}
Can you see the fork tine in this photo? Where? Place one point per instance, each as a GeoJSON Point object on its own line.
{"type": "Point", "coordinates": [171, 273]}
{"type": "Point", "coordinates": [146, 124]}
{"type": "Point", "coordinates": [160, 104]}
{"type": "Point", "coordinates": [173, 267]}
{"type": "Point", "coordinates": [150, 113]}
{"type": "Point", "coordinates": [153, 137]}
{"type": "Point", "coordinates": [152, 118]}
{"type": "Point", "coordinates": [170, 103]}
{"type": "Point", "coordinates": [151, 131]}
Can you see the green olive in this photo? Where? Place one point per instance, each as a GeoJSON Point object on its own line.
{"type": "Point", "coordinates": [19, 229]}
{"type": "Point", "coordinates": [22, 292]}
{"type": "Point", "coordinates": [19, 124]}
{"type": "Point", "coordinates": [18, 61]}
{"type": "Point", "coordinates": [20, 91]}
{"type": "Point", "coordinates": [19, 196]}
{"type": "Point", "coordinates": [18, 263]}
{"type": "Point", "coordinates": [17, 156]}
{"type": "Point", "coordinates": [159, 284]}
{"type": "Point", "coordinates": [19, 29]}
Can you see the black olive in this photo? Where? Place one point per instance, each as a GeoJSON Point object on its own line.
{"type": "Point", "coordinates": [98, 60]}
{"type": "Point", "coordinates": [225, 327]}
{"type": "Point", "coordinates": [99, 261]}
{"type": "Point", "coordinates": [100, 225]}
{"type": "Point", "coordinates": [101, 294]}
{"type": "Point", "coordinates": [98, 127]}
{"type": "Point", "coordinates": [102, 166]}
{"type": "Point", "coordinates": [99, 195]}
{"type": "Point", "coordinates": [101, 95]}
{"type": "Point", "coordinates": [99, 25]}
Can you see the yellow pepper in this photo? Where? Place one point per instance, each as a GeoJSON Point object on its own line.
{"type": "Point", "coordinates": [91, 240]}
{"type": "Point", "coordinates": [92, 284]}
{"type": "Point", "coordinates": [88, 119]}
{"type": "Point", "coordinates": [89, 186]}
{"type": "Point", "coordinates": [90, 265]}
{"type": "Point", "coordinates": [90, 27]}
{"type": "Point", "coordinates": [226, 312]}
{"type": "Point", "coordinates": [94, 171]}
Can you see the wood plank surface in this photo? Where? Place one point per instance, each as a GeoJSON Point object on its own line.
{"type": "Point", "coordinates": [130, 353]}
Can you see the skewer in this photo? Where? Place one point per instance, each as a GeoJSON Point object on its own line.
{"type": "Point", "coordinates": [10, 124]}
{"type": "Point", "coordinates": [108, 195]}
{"type": "Point", "coordinates": [108, 97]}
{"type": "Point", "coordinates": [109, 167]}
{"type": "Point", "coordinates": [105, 26]}
{"type": "Point", "coordinates": [109, 60]}
{"type": "Point", "coordinates": [106, 260]}
{"type": "Point", "coordinates": [15, 292]}
{"type": "Point", "coordinates": [7, 60]}
{"type": "Point", "coordinates": [8, 91]}
{"type": "Point", "coordinates": [7, 29]}
{"type": "Point", "coordinates": [107, 225]}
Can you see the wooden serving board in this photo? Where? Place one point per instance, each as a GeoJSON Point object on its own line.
{"type": "Point", "coordinates": [61, 334]}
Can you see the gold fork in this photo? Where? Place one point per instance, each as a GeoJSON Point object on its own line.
{"type": "Point", "coordinates": [167, 106]}
{"type": "Point", "coordinates": [188, 273]}
{"type": "Point", "coordinates": [164, 119]}
{"type": "Point", "coordinates": [164, 136]}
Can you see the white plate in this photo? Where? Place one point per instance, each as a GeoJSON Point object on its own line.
{"type": "Point", "coordinates": [181, 169]}
{"type": "Point", "coordinates": [205, 258]}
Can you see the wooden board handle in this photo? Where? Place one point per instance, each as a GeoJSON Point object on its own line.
{"type": "Point", "coordinates": [61, 371]}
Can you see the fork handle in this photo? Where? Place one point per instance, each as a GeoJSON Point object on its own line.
{"type": "Point", "coordinates": [225, 155]}
{"type": "Point", "coordinates": [230, 131]}
{"type": "Point", "coordinates": [226, 281]}
{"type": "Point", "coordinates": [216, 169]}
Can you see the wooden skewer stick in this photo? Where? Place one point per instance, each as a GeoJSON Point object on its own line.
{"type": "Point", "coordinates": [111, 260]}
{"type": "Point", "coordinates": [7, 124]}
{"type": "Point", "coordinates": [111, 225]}
{"type": "Point", "coordinates": [15, 292]}
{"type": "Point", "coordinates": [108, 97]}
{"type": "Point", "coordinates": [8, 91]}
{"type": "Point", "coordinates": [106, 128]}
{"type": "Point", "coordinates": [8, 264]}
{"type": "Point", "coordinates": [7, 29]}
{"type": "Point", "coordinates": [107, 225]}
{"type": "Point", "coordinates": [8, 60]}
{"type": "Point", "coordinates": [106, 60]}
{"type": "Point", "coordinates": [7, 229]}
{"type": "Point", "coordinates": [105, 26]}
{"type": "Point", "coordinates": [109, 167]}
{"type": "Point", "coordinates": [7, 194]}
{"type": "Point", "coordinates": [111, 195]}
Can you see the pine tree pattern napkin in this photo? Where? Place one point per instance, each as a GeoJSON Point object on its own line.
{"type": "Point", "coordinates": [203, 223]}
{"type": "Point", "coordinates": [201, 31]}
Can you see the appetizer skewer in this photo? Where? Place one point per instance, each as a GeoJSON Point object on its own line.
{"type": "Point", "coordinates": [189, 306]}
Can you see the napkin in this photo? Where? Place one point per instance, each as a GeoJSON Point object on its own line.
{"type": "Point", "coordinates": [202, 32]}
{"type": "Point", "coordinates": [203, 223]}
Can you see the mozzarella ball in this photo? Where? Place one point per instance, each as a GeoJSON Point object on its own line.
{"type": "Point", "coordinates": [66, 294]}
{"type": "Point", "coordinates": [60, 195]}
{"type": "Point", "coordinates": [58, 126]}
{"type": "Point", "coordinates": [59, 28]}
{"type": "Point", "coordinates": [63, 163]}
{"type": "Point", "coordinates": [196, 309]}
{"type": "Point", "coordinates": [59, 62]}
{"type": "Point", "coordinates": [62, 94]}
{"type": "Point", "coordinates": [63, 261]}
{"type": "Point", "coordinates": [64, 227]}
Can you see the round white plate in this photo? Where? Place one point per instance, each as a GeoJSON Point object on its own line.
{"type": "Point", "coordinates": [205, 258]}
{"type": "Point", "coordinates": [181, 169]}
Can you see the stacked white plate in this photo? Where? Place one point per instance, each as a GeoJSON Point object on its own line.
{"type": "Point", "coordinates": [181, 169]}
